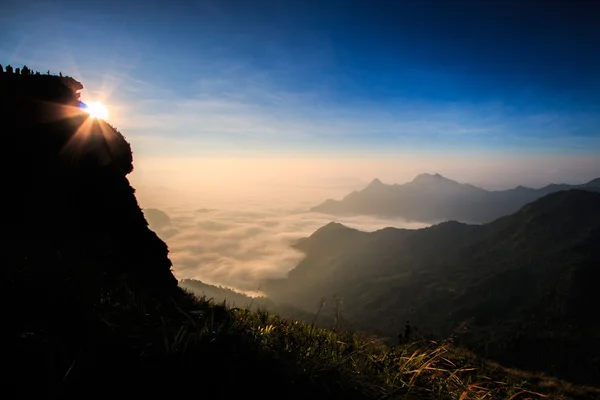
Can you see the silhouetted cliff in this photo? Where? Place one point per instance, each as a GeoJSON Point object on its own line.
{"type": "Point", "coordinates": [72, 226]}
{"type": "Point", "coordinates": [65, 184]}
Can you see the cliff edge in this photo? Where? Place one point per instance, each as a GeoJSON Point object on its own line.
{"type": "Point", "coordinates": [75, 242]}
{"type": "Point", "coordinates": [67, 197]}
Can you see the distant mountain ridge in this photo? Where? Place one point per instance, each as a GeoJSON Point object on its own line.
{"type": "Point", "coordinates": [524, 283]}
{"type": "Point", "coordinates": [434, 198]}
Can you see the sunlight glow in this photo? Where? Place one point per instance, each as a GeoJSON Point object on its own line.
{"type": "Point", "coordinates": [97, 110]}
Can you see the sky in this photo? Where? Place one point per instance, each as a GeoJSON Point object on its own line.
{"type": "Point", "coordinates": [385, 80]}
{"type": "Point", "coordinates": [244, 114]}
{"type": "Point", "coordinates": [353, 78]}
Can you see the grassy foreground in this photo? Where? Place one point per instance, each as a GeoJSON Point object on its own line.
{"type": "Point", "coordinates": [134, 344]}
{"type": "Point", "coordinates": [234, 352]}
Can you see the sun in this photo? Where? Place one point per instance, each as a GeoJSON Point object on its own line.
{"type": "Point", "coordinates": [96, 110]}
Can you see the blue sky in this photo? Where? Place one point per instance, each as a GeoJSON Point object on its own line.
{"type": "Point", "coordinates": [326, 77]}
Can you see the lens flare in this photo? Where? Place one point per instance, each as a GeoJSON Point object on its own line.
{"type": "Point", "coordinates": [96, 110]}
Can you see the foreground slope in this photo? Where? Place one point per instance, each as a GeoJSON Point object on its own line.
{"type": "Point", "coordinates": [523, 286]}
{"type": "Point", "coordinates": [434, 198]}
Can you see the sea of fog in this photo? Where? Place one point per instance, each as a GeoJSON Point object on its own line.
{"type": "Point", "coordinates": [236, 240]}
{"type": "Point", "coordinates": [233, 219]}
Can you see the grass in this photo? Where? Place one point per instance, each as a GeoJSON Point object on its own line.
{"type": "Point", "coordinates": [299, 359]}
{"type": "Point", "coordinates": [134, 343]}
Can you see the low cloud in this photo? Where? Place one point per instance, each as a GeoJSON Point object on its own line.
{"type": "Point", "coordinates": [233, 220]}
{"type": "Point", "coordinates": [239, 248]}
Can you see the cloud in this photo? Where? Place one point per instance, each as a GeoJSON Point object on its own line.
{"type": "Point", "coordinates": [233, 220]}
{"type": "Point", "coordinates": [239, 248]}
{"type": "Point", "coordinates": [241, 114]}
{"type": "Point", "coordinates": [241, 106]}
{"type": "Point", "coordinates": [223, 123]}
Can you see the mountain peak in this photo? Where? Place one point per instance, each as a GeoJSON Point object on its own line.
{"type": "Point", "coordinates": [332, 225]}
{"type": "Point", "coordinates": [332, 228]}
{"type": "Point", "coordinates": [375, 183]}
{"type": "Point", "coordinates": [431, 178]}
{"type": "Point", "coordinates": [522, 188]}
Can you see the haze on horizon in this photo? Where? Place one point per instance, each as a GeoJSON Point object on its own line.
{"type": "Point", "coordinates": [255, 111]}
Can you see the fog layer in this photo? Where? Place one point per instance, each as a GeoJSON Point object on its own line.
{"type": "Point", "coordinates": [232, 221]}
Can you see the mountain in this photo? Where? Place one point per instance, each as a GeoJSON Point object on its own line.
{"type": "Point", "coordinates": [159, 222]}
{"type": "Point", "coordinates": [434, 198]}
{"type": "Point", "coordinates": [66, 187]}
{"type": "Point", "coordinates": [524, 285]}
{"type": "Point", "coordinates": [75, 239]}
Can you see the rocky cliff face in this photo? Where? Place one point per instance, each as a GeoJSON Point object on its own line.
{"type": "Point", "coordinates": [67, 199]}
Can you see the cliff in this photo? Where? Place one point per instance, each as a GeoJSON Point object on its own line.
{"type": "Point", "coordinates": [74, 237]}
{"type": "Point", "coordinates": [67, 197]}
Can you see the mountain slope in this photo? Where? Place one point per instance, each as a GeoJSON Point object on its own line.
{"type": "Point", "coordinates": [434, 198]}
{"type": "Point", "coordinates": [528, 278]}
